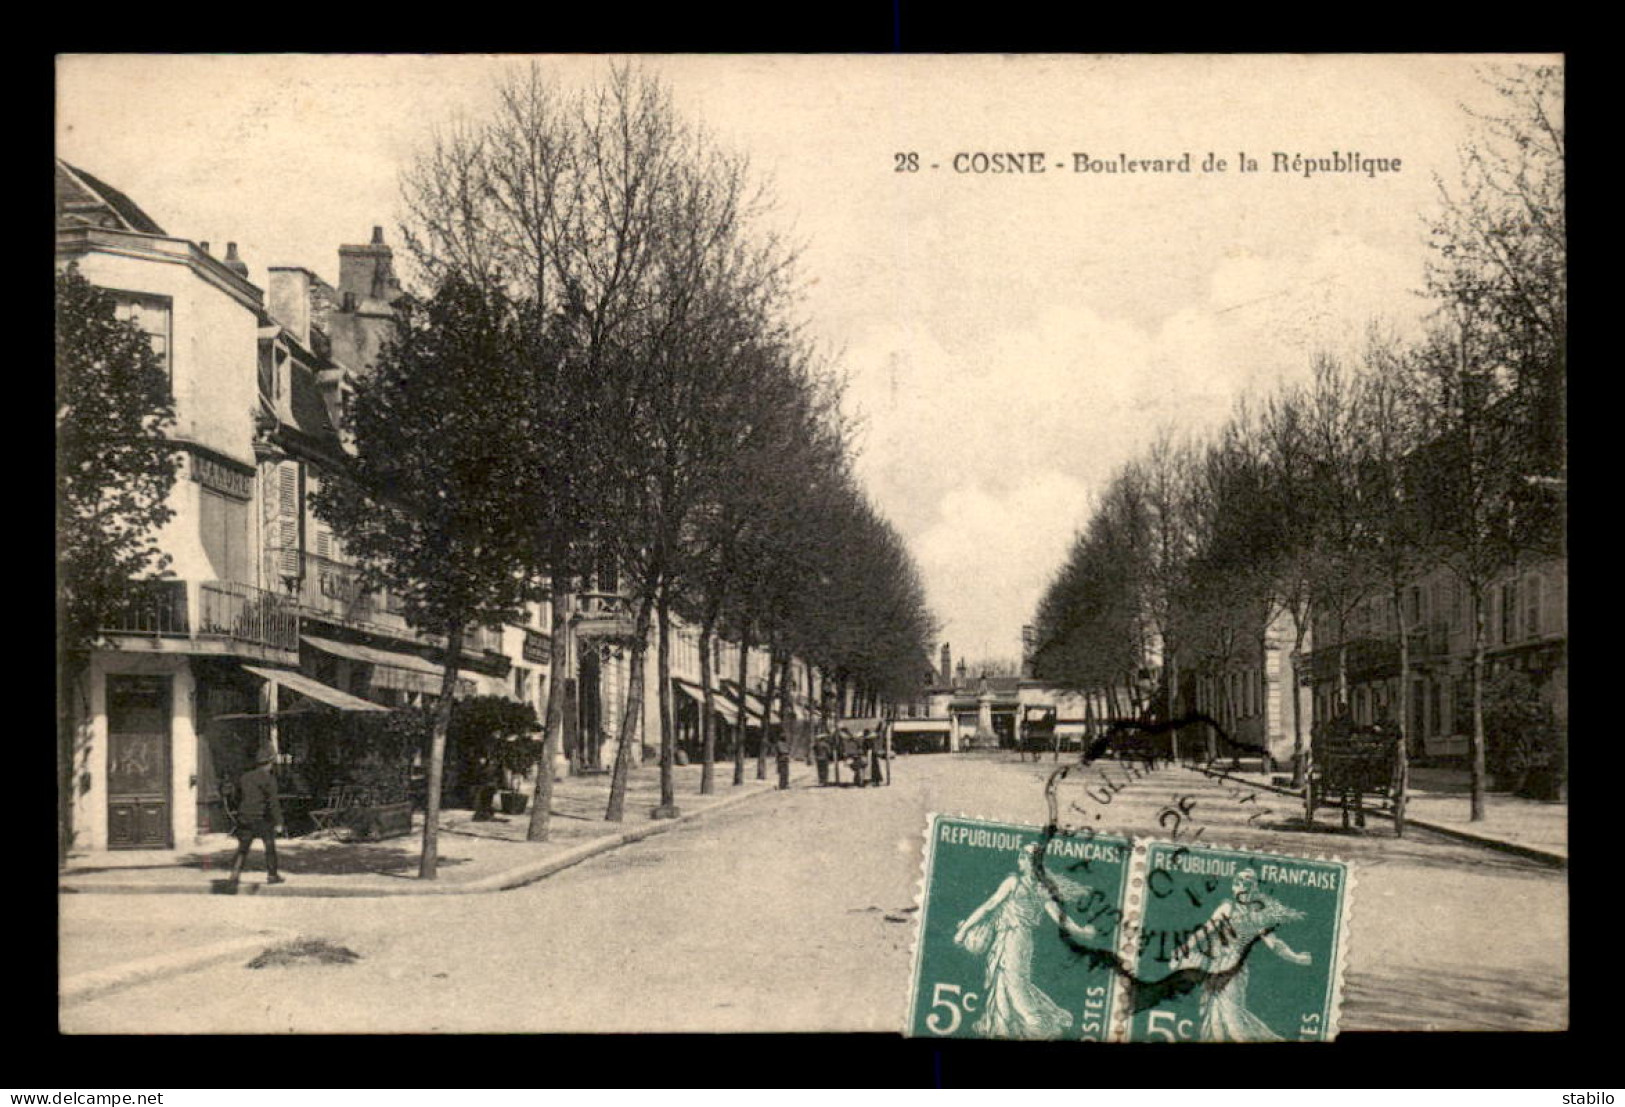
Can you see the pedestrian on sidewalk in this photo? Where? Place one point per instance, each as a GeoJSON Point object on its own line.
{"type": "Point", "coordinates": [860, 759]}
{"type": "Point", "coordinates": [821, 758]}
{"type": "Point", "coordinates": [259, 815]}
{"type": "Point", "coordinates": [781, 752]}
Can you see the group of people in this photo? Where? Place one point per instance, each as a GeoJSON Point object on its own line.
{"type": "Point", "coordinates": [861, 754]}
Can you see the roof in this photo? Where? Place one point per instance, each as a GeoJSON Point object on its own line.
{"type": "Point", "coordinates": [121, 205]}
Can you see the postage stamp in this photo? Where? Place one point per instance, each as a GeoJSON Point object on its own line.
{"type": "Point", "coordinates": [1019, 933]}
{"type": "Point", "coordinates": [1065, 934]}
{"type": "Point", "coordinates": [1238, 946]}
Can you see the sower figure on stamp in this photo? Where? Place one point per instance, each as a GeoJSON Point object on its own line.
{"type": "Point", "coordinates": [1002, 931]}
{"type": "Point", "coordinates": [259, 815]}
{"type": "Point", "coordinates": [1220, 948]}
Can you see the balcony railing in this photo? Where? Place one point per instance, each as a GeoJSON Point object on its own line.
{"type": "Point", "coordinates": [247, 614]}
{"type": "Point", "coordinates": [332, 590]}
{"type": "Point", "coordinates": [325, 586]}
{"type": "Point", "coordinates": [1378, 656]}
{"type": "Point", "coordinates": [152, 607]}
{"type": "Point", "coordinates": [208, 609]}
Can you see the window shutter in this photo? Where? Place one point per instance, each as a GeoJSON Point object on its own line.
{"type": "Point", "coordinates": [1551, 603]}
{"type": "Point", "coordinates": [288, 519]}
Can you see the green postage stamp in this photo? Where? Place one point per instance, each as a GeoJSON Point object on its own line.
{"type": "Point", "coordinates": [1028, 933]}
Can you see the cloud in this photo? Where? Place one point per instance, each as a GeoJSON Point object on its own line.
{"type": "Point", "coordinates": [985, 442]}
{"type": "Point", "coordinates": [993, 553]}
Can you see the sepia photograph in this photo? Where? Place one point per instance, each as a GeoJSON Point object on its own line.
{"type": "Point", "coordinates": [1042, 546]}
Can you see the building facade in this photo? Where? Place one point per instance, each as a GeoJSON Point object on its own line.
{"type": "Point", "coordinates": [1526, 629]}
{"type": "Point", "coordinates": [263, 616]}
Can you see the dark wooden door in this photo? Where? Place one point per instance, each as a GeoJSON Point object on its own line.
{"type": "Point", "coordinates": [590, 708]}
{"type": "Point", "coordinates": [138, 762]}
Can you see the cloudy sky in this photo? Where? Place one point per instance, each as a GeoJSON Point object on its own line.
{"type": "Point", "coordinates": [1010, 339]}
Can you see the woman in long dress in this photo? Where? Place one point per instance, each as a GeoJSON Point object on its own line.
{"type": "Point", "coordinates": [1221, 947]}
{"type": "Point", "coordinates": [1002, 930]}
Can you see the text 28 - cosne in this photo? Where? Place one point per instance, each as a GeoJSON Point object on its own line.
{"type": "Point", "coordinates": [1004, 162]}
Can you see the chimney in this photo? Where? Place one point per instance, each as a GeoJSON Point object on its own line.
{"type": "Point", "coordinates": [947, 665]}
{"type": "Point", "coordinates": [368, 272]}
{"type": "Point", "coordinates": [204, 246]}
{"type": "Point", "coordinates": [289, 300]}
{"type": "Point", "coordinates": [235, 263]}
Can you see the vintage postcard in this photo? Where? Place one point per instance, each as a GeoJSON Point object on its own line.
{"type": "Point", "coordinates": [539, 535]}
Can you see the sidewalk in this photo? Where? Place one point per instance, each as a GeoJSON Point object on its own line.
{"type": "Point", "coordinates": [1439, 800]}
{"type": "Point", "coordinates": [474, 857]}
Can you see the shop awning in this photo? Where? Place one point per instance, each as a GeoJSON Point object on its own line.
{"type": "Point", "coordinates": [314, 689]}
{"type": "Point", "coordinates": [753, 704]}
{"type": "Point", "coordinates": [405, 671]}
{"type": "Point", "coordinates": [719, 703]}
{"type": "Point", "coordinates": [922, 726]}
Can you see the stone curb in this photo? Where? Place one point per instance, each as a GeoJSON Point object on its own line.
{"type": "Point", "coordinates": [1531, 853]}
{"type": "Point", "coordinates": [498, 882]}
{"type": "Point", "coordinates": [98, 982]}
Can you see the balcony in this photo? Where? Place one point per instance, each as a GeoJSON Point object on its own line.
{"type": "Point", "coordinates": [1369, 657]}
{"type": "Point", "coordinates": [207, 616]}
{"type": "Point", "coordinates": [1430, 642]}
{"type": "Point", "coordinates": [332, 590]}
{"type": "Point", "coordinates": [606, 615]}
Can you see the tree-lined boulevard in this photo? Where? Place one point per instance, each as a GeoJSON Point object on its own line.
{"type": "Point", "coordinates": [793, 913]}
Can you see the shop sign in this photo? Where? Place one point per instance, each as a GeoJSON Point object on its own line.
{"type": "Point", "coordinates": [217, 477]}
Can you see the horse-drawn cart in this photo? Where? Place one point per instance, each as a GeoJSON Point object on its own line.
{"type": "Point", "coordinates": [1355, 767]}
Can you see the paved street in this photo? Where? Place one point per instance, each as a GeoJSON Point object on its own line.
{"type": "Point", "coordinates": [793, 912]}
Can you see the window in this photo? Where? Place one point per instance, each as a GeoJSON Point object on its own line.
{"type": "Point", "coordinates": [1457, 607]}
{"type": "Point", "coordinates": [1509, 611]}
{"type": "Point", "coordinates": [1531, 602]}
{"type": "Point", "coordinates": [521, 684]}
{"type": "Point", "coordinates": [267, 372]}
{"type": "Point", "coordinates": [223, 527]}
{"type": "Point", "coordinates": [152, 315]}
{"type": "Point", "coordinates": [288, 522]}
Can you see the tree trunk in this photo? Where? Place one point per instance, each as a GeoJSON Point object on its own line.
{"type": "Point", "coordinates": [1477, 751]}
{"type": "Point", "coordinates": [1300, 765]}
{"type": "Point", "coordinates": [708, 726]}
{"type": "Point", "coordinates": [744, 713]}
{"type": "Point", "coordinates": [767, 712]}
{"type": "Point", "coordinates": [71, 671]}
{"type": "Point", "coordinates": [1173, 706]}
{"type": "Point", "coordinates": [811, 707]}
{"type": "Point", "coordinates": [558, 660]}
{"type": "Point", "coordinates": [632, 717]}
{"type": "Point", "coordinates": [1403, 769]}
{"type": "Point", "coordinates": [668, 721]}
{"type": "Point", "coordinates": [429, 862]}
{"type": "Point", "coordinates": [786, 707]}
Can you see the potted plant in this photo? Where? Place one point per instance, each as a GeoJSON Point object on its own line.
{"type": "Point", "coordinates": [494, 744]}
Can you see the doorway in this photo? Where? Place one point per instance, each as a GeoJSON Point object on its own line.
{"type": "Point", "coordinates": [138, 754]}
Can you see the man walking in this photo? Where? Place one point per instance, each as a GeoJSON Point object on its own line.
{"type": "Point", "coordinates": [821, 757]}
{"type": "Point", "coordinates": [259, 815]}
